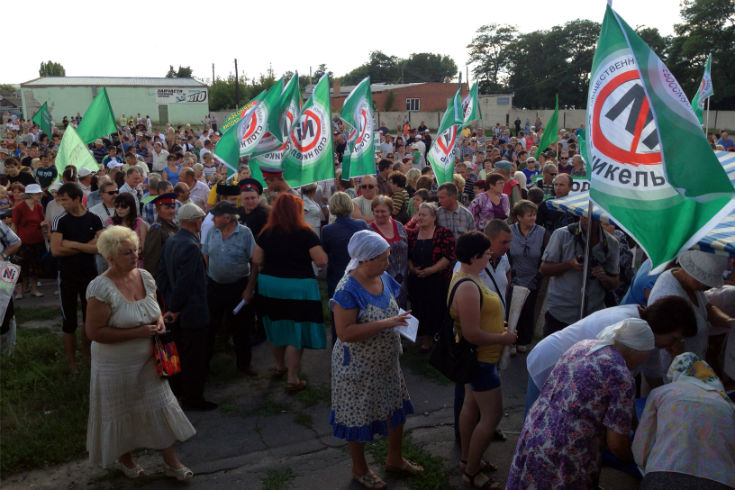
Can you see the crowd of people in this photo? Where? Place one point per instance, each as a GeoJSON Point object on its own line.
{"type": "Point", "coordinates": [159, 239]}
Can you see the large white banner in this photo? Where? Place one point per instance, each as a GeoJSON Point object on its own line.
{"type": "Point", "coordinates": [181, 96]}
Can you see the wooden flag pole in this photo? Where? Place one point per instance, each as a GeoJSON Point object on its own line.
{"type": "Point", "coordinates": [706, 124]}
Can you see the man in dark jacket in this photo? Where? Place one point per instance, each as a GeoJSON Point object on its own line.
{"type": "Point", "coordinates": [183, 283]}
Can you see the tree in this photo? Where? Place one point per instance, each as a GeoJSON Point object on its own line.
{"type": "Point", "coordinates": [428, 67]}
{"type": "Point", "coordinates": [489, 54]}
{"type": "Point", "coordinates": [51, 69]}
{"type": "Point", "coordinates": [708, 27]}
{"type": "Point", "coordinates": [183, 72]}
{"type": "Point", "coordinates": [658, 43]}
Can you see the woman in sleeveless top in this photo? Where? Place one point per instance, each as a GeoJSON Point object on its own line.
{"type": "Point", "coordinates": [478, 317]}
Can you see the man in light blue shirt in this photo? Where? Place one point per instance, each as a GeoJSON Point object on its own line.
{"type": "Point", "coordinates": [228, 252]}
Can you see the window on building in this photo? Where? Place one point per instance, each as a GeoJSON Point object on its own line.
{"type": "Point", "coordinates": [413, 104]}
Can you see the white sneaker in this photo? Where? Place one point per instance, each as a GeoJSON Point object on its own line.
{"type": "Point", "coordinates": [19, 296]}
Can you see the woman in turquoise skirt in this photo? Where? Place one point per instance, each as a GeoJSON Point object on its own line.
{"type": "Point", "coordinates": [288, 295]}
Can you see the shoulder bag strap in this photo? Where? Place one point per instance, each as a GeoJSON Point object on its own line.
{"type": "Point", "coordinates": [496, 287]}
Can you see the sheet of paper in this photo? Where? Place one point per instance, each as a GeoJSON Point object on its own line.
{"type": "Point", "coordinates": [409, 331]}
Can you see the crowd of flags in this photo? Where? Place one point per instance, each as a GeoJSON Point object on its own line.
{"type": "Point", "coordinates": [652, 171]}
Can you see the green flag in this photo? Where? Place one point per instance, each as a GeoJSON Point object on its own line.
{"type": "Point", "coordinates": [42, 117]}
{"type": "Point", "coordinates": [241, 138]}
{"type": "Point", "coordinates": [551, 131]}
{"type": "Point", "coordinates": [73, 151]}
{"type": "Point", "coordinates": [98, 121]}
{"type": "Point", "coordinates": [651, 167]}
{"type": "Point", "coordinates": [441, 154]}
{"type": "Point", "coordinates": [310, 156]}
{"type": "Point", "coordinates": [471, 107]}
{"type": "Point", "coordinates": [705, 90]}
{"type": "Point", "coordinates": [357, 111]}
{"type": "Point", "coordinates": [271, 150]}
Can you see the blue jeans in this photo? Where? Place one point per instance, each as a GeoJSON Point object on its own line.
{"type": "Point", "coordinates": [532, 392]}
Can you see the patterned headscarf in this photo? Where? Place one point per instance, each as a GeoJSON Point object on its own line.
{"type": "Point", "coordinates": [363, 246]}
{"type": "Point", "coordinates": [690, 368]}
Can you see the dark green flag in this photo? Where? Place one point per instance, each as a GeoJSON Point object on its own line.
{"type": "Point", "coordinates": [42, 117]}
{"type": "Point", "coordinates": [98, 121]}
{"type": "Point", "coordinates": [551, 131]}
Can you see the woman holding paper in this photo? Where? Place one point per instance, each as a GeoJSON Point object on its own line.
{"type": "Point", "coordinates": [369, 394]}
{"type": "Point", "coordinates": [478, 317]}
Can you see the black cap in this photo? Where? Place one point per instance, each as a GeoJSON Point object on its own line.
{"type": "Point", "coordinates": [167, 198]}
{"type": "Point", "coordinates": [224, 207]}
{"type": "Point", "coordinates": [251, 185]}
{"type": "Point", "coordinates": [228, 190]}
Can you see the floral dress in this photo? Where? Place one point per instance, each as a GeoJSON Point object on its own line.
{"type": "Point", "coordinates": [585, 394]}
{"type": "Point", "coordinates": [368, 388]}
{"type": "Point", "coordinates": [484, 211]}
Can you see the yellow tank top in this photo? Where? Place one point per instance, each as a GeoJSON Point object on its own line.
{"type": "Point", "coordinates": [491, 318]}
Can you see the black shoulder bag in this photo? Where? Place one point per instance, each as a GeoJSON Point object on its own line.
{"type": "Point", "coordinates": [455, 360]}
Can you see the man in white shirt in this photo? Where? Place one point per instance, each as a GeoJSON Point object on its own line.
{"type": "Point", "coordinates": [199, 191]}
{"type": "Point", "coordinates": [159, 157]}
{"type": "Point", "coordinates": [207, 149]}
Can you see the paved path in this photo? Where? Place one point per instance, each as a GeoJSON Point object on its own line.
{"type": "Point", "coordinates": [261, 433]}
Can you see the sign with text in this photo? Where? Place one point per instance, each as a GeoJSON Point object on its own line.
{"type": "Point", "coordinates": [181, 96]}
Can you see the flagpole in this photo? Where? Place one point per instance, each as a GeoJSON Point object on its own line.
{"type": "Point", "coordinates": [706, 124]}
{"type": "Point", "coordinates": [585, 267]}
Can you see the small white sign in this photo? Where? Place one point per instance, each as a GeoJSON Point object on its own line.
{"type": "Point", "coordinates": [411, 330]}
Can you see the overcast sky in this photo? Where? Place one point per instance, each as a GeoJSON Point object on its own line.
{"type": "Point", "coordinates": [142, 38]}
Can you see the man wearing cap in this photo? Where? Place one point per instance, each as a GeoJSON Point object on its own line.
{"type": "Point", "coordinates": [160, 231]}
{"type": "Point", "coordinates": [224, 193]}
{"type": "Point", "coordinates": [276, 184]}
{"type": "Point", "coordinates": [99, 152]}
{"type": "Point", "coordinates": [563, 261]}
{"type": "Point", "coordinates": [421, 147]}
{"type": "Point", "coordinates": [228, 251]}
{"type": "Point", "coordinates": [512, 188]}
{"type": "Point", "coordinates": [182, 281]}
{"type": "Point", "coordinates": [252, 213]}
{"type": "Point", "coordinates": [85, 180]}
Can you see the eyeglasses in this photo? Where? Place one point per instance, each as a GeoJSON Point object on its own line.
{"type": "Point", "coordinates": [563, 158]}
{"type": "Point", "coordinates": [367, 186]}
{"type": "Point", "coordinates": [112, 193]}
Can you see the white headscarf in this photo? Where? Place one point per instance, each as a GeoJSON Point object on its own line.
{"type": "Point", "coordinates": [631, 332]}
{"type": "Point", "coordinates": [364, 245]}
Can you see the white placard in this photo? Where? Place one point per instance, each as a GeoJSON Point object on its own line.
{"type": "Point", "coordinates": [411, 330]}
{"type": "Point", "coordinates": [181, 96]}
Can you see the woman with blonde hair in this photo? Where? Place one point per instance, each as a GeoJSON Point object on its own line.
{"type": "Point", "coordinates": [130, 406]}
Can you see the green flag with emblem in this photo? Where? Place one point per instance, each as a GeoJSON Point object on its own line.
{"type": "Point", "coordinates": [650, 166]}
{"type": "Point", "coordinates": [357, 112]}
{"type": "Point", "coordinates": [310, 156]}
{"type": "Point", "coordinates": [471, 107]}
{"type": "Point", "coordinates": [441, 154]}
{"type": "Point", "coordinates": [705, 90]}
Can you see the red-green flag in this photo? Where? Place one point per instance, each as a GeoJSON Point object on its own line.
{"type": "Point", "coordinates": [98, 121]}
{"type": "Point", "coordinates": [42, 117]}
{"type": "Point", "coordinates": [357, 111]}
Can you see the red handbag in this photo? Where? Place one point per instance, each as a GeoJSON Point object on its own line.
{"type": "Point", "coordinates": [168, 362]}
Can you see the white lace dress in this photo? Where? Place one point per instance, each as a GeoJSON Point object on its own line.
{"type": "Point", "coordinates": [129, 405]}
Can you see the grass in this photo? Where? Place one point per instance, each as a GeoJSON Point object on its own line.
{"type": "Point", "coordinates": [419, 364]}
{"type": "Point", "coordinates": [23, 315]}
{"type": "Point", "coordinates": [277, 479]}
{"type": "Point", "coordinates": [43, 409]}
{"type": "Point", "coordinates": [304, 419]}
{"type": "Point", "coordinates": [315, 394]}
{"type": "Point", "coordinates": [435, 475]}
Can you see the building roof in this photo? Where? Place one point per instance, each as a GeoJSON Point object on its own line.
{"type": "Point", "coordinates": [112, 82]}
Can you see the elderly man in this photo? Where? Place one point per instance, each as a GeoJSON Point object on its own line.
{"type": "Point", "coordinates": [551, 219]}
{"type": "Point", "coordinates": [224, 193]}
{"type": "Point", "coordinates": [161, 229]}
{"type": "Point", "coordinates": [725, 141]}
{"type": "Point", "coordinates": [182, 281]}
{"type": "Point", "coordinates": [198, 191]}
{"type": "Point", "coordinates": [133, 178]}
{"type": "Point", "coordinates": [99, 152]}
{"type": "Point", "coordinates": [549, 172]}
{"type": "Point", "coordinates": [159, 157]}
{"type": "Point", "coordinates": [578, 167]}
{"type": "Point", "coordinates": [148, 213]}
{"type": "Point", "coordinates": [228, 252]}
{"type": "Point", "coordinates": [363, 203]}
{"type": "Point", "coordinates": [252, 213]}
{"type": "Point", "coordinates": [563, 261]}
{"type": "Point", "coordinates": [512, 188]}
{"type": "Point", "coordinates": [451, 214]}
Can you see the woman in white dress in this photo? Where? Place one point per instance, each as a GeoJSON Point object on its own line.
{"type": "Point", "coordinates": [130, 406]}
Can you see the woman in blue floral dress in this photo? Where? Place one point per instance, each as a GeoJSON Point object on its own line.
{"type": "Point", "coordinates": [586, 401]}
{"type": "Point", "coordinates": [369, 394]}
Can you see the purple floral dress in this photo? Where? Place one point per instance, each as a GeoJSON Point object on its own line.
{"type": "Point", "coordinates": [559, 446]}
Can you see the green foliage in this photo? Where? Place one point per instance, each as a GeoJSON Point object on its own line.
{"type": "Point", "coordinates": [222, 92]}
{"type": "Point", "coordinates": [418, 67]}
{"type": "Point", "coordinates": [435, 475]}
{"type": "Point", "coordinates": [182, 72]}
{"type": "Point", "coordinates": [278, 479]}
{"type": "Point", "coordinates": [8, 86]}
{"type": "Point", "coordinates": [51, 69]}
{"type": "Point", "coordinates": [43, 409]}
{"type": "Point", "coordinates": [390, 99]}
{"type": "Point", "coordinates": [539, 64]}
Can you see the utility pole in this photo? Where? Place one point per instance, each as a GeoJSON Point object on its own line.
{"type": "Point", "coordinates": [237, 87]}
{"type": "Point", "coordinates": [212, 72]}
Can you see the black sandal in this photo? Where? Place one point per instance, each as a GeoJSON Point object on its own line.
{"type": "Point", "coordinates": [488, 485]}
{"type": "Point", "coordinates": [485, 466]}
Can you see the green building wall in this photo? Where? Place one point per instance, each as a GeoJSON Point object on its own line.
{"type": "Point", "coordinates": [67, 101]}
